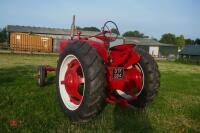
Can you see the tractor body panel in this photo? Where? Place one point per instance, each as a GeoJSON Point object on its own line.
{"type": "Point", "coordinates": [119, 60]}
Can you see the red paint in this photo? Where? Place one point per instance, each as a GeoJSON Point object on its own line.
{"type": "Point", "coordinates": [122, 56]}
{"type": "Point", "coordinates": [13, 122]}
{"type": "Point", "coordinates": [72, 81]}
{"type": "Point", "coordinates": [101, 48]}
{"type": "Point", "coordinates": [49, 68]}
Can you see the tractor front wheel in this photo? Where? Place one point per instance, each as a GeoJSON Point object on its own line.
{"type": "Point", "coordinates": [81, 82]}
{"type": "Point", "coordinates": [41, 75]}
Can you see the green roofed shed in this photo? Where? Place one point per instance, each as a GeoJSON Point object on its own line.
{"type": "Point", "coordinates": [190, 53]}
{"type": "Point", "coordinates": [193, 50]}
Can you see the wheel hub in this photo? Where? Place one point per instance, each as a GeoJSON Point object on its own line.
{"type": "Point", "coordinates": [132, 83]}
{"type": "Point", "coordinates": [73, 81]}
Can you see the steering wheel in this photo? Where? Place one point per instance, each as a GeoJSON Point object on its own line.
{"type": "Point", "coordinates": [106, 29]}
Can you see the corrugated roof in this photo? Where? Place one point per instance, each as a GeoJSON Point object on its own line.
{"type": "Point", "coordinates": [145, 41]}
{"type": "Point", "coordinates": [191, 50]}
{"type": "Point", "coordinates": [44, 30]}
{"type": "Point", "coordinates": [57, 31]}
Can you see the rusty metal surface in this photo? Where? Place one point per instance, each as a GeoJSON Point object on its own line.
{"type": "Point", "coordinates": [30, 42]}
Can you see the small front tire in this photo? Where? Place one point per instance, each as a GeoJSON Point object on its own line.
{"type": "Point", "coordinates": [41, 75]}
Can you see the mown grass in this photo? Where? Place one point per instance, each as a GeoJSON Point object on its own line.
{"type": "Point", "coordinates": [35, 109]}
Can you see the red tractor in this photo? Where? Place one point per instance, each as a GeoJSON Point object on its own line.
{"type": "Point", "coordinates": [90, 74]}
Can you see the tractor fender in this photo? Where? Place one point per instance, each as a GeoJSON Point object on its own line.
{"type": "Point", "coordinates": [100, 46]}
{"type": "Point", "coordinates": [63, 43]}
{"type": "Point", "coordinates": [123, 55]}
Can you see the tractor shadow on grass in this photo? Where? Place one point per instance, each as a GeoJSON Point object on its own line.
{"type": "Point", "coordinates": [51, 80]}
{"type": "Point", "coordinates": [131, 120]}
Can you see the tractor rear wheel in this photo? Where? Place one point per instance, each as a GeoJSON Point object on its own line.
{"type": "Point", "coordinates": [151, 79]}
{"type": "Point", "coordinates": [81, 82]}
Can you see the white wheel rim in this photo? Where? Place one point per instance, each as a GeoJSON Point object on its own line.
{"type": "Point", "coordinates": [63, 93]}
{"type": "Point", "coordinates": [140, 68]}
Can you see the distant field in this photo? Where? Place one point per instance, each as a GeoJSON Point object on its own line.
{"type": "Point", "coordinates": [25, 107]}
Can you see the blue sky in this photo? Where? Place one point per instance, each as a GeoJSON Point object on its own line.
{"type": "Point", "coordinates": [152, 17]}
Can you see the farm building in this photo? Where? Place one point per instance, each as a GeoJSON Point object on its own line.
{"type": "Point", "coordinates": [42, 39]}
{"type": "Point", "coordinates": [190, 53]}
{"type": "Point", "coordinates": [37, 39]}
{"type": "Point", "coordinates": [153, 47]}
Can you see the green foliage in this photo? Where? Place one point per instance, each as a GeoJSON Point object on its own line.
{"type": "Point", "coordinates": [180, 41]}
{"type": "Point", "coordinates": [168, 38]}
{"type": "Point", "coordinates": [134, 34]}
{"type": "Point", "coordinates": [172, 39]}
{"type": "Point", "coordinates": [153, 38]}
{"type": "Point", "coordinates": [88, 28]}
{"type": "Point", "coordinates": [113, 30]}
{"type": "Point", "coordinates": [189, 41]}
{"type": "Point", "coordinates": [197, 41]}
{"type": "Point", "coordinates": [78, 28]}
{"type": "Point", "coordinates": [3, 35]}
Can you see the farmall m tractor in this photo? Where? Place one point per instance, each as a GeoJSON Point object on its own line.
{"type": "Point", "coordinates": [90, 74]}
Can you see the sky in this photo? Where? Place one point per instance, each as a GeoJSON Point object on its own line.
{"type": "Point", "coordinates": [151, 17]}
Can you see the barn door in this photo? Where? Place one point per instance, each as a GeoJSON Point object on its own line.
{"type": "Point", "coordinates": [154, 51]}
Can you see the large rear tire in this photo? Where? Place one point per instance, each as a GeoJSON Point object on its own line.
{"type": "Point", "coordinates": [151, 79]}
{"type": "Point", "coordinates": [84, 105]}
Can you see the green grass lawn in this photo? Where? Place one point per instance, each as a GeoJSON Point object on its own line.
{"type": "Point", "coordinates": [35, 109]}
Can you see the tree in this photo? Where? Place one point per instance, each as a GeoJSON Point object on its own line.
{"type": "Point", "coordinates": [78, 28]}
{"type": "Point", "coordinates": [3, 35]}
{"type": "Point", "coordinates": [91, 29]}
{"type": "Point", "coordinates": [133, 34]}
{"type": "Point", "coordinates": [197, 41]}
{"type": "Point", "coordinates": [189, 41]}
{"type": "Point", "coordinates": [153, 38]}
{"type": "Point", "coordinates": [113, 30]}
{"type": "Point", "coordinates": [88, 28]}
{"type": "Point", "coordinates": [180, 41]}
{"type": "Point", "coordinates": [168, 38]}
